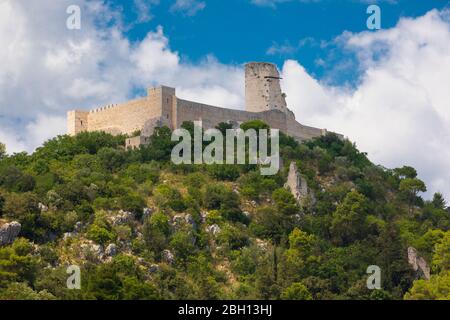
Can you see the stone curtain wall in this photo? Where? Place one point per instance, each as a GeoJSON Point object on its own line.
{"type": "Point", "coordinates": [162, 105]}
{"type": "Point", "coordinates": [124, 118]}
{"type": "Point", "coordinates": [262, 88]}
{"type": "Point", "coordinates": [211, 116]}
{"type": "Point", "coordinates": [264, 101]}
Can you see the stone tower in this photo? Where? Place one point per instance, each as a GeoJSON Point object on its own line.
{"type": "Point", "coordinates": [262, 88]}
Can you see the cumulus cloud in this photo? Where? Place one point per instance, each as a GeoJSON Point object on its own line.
{"type": "Point", "coordinates": [47, 69]}
{"type": "Point", "coordinates": [274, 3]}
{"type": "Point", "coordinates": [286, 48]}
{"type": "Point", "coordinates": [143, 9]}
{"type": "Point", "coordinates": [399, 112]}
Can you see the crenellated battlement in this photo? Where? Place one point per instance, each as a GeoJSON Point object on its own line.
{"type": "Point", "coordinates": [103, 108]}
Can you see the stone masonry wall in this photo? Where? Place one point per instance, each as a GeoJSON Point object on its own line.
{"type": "Point", "coordinates": [123, 118]}
{"type": "Point", "coordinates": [262, 88]}
{"type": "Point", "coordinates": [264, 101]}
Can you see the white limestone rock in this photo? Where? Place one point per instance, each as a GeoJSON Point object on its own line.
{"type": "Point", "coordinates": [9, 232]}
{"type": "Point", "coordinates": [213, 229]}
{"type": "Point", "coordinates": [111, 250]}
{"type": "Point", "coordinates": [168, 257]}
{"type": "Point", "coordinates": [147, 213]}
{"type": "Point", "coordinates": [123, 217]}
{"type": "Point", "coordinates": [42, 207]}
{"type": "Point", "coordinates": [154, 268]}
{"type": "Point", "coordinates": [298, 185]}
{"type": "Point", "coordinates": [418, 264]}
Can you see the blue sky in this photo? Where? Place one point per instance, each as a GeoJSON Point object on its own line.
{"type": "Point", "coordinates": [238, 31]}
{"type": "Point", "coordinates": [385, 90]}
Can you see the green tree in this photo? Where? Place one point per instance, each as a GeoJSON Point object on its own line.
{"type": "Point", "coordinates": [111, 159]}
{"type": "Point", "coordinates": [411, 187]}
{"type": "Point", "coordinates": [156, 232]}
{"type": "Point", "coordinates": [405, 172]}
{"type": "Point", "coordinates": [348, 223]}
{"type": "Point", "coordinates": [437, 288]}
{"type": "Point", "coordinates": [18, 263]}
{"type": "Point", "coordinates": [296, 291]}
{"type": "Point", "coordinates": [441, 258]}
{"type": "Point", "coordinates": [439, 201]}
{"type": "Point", "coordinates": [160, 146]}
{"type": "Point", "coordinates": [285, 202]}
{"type": "Point", "coordinates": [100, 234]}
{"type": "Point", "coordinates": [21, 291]}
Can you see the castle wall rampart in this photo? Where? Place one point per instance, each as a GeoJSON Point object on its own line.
{"type": "Point", "coordinates": [264, 101]}
{"type": "Point", "coordinates": [302, 132]}
{"type": "Point", "coordinates": [211, 116]}
{"type": "Point", "coordinates": [123, 118]}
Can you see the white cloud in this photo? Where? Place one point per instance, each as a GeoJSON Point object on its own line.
{"type": "Point", "coordinates": [188, 7]}
{"type": "Point", "coordinates": [400, 112]}
{"type": "Point", "coordinates": [45, 127]}
{"type": "Point", "coordinates": [143, 9]}
{"type": "Point", "coordinates": [47, 69]}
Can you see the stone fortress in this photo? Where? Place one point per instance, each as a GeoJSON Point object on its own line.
{"type": "Point", "coordinates": [264, 100]}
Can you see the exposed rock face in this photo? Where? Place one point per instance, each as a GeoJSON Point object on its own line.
{"type": "Point", "coordinates": [123, 217]}
{"type": "Point", "coordinates": [168, 257]}
{"type": "Point", "coordinates": [298, 185]}
{"type": "Point", "coordinates": [213, 229]}
{"type": "Point", "coordinates": [111, 250]}
{"type": "Point", "coordinates": [204, 215]}
{"type": "Point", "coordinates": [183, 218]}
{"type": "Point", "coordinates": [263, 245]}
{"type": "Point", "coordinates": [68, 235]}
{"type": "Point", "coordinates": [153, 268]}
{"type": "Point", "coordinates": [190, 220]}
{"type": "Point", "coordinates": [42, 207]}
{"type": "Point", "coordinates": [78, 226]}
{"type": "Point", "coordinates": [418, 264]}
{"type": "Point", "coordinates": [147, 213]}
{"type": "Point", "coordinates": [9, 232]}
{"type": "Point", "coordinates": [91, 248]}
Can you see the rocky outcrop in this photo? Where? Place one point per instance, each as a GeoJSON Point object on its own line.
{"type": "Point", "coordinates": [153, 268]}
{"type": "Point", "coordinates": [9, 232]}
{"type": "Point", "coordinates": [168, 257]}
{"type": "Point", "coordinates": [418, 264]}
{"type": "Point", "coordinates": [183, 219]}
{"type": "Point", "coordinates": [147, 213]}
{"type": "Point", "coordinates": [111, 250]}
{"type": "Point", "coordinates": [90, 248]}
{"type": "Point", "coordinates": [123, 217]}
{"type": "Point", "coordinates": [42, 207]}
{"type": "Point", "coordinates": [298, 185]}
{"type": "Point", "coordinates": [213, 229]}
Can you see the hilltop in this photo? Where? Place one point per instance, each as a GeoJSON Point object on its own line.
{"type": "Point", "coordinates": [140, 227]}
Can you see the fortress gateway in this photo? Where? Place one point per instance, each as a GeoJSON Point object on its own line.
{"type": "Point", "coordinates": [264, 100]}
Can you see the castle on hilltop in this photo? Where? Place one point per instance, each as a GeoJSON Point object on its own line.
{"type": "Point", "coordinates": [264, 100]}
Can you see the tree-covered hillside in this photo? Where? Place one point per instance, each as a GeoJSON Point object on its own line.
{"type": "Point", "coordinates": [140, 227]}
